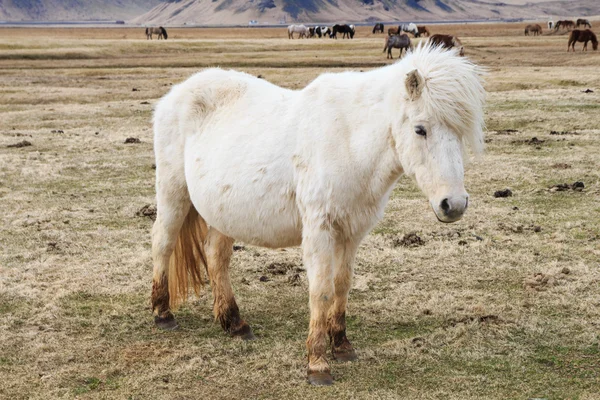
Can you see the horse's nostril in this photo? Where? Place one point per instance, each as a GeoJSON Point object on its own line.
{"type": "Point", "coordinates": [445, 205]}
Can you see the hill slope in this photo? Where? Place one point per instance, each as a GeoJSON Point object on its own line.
{"type": "Point", "coordinates": [275, 11]}
{"type": "Point", "coordinates": [73, 10]}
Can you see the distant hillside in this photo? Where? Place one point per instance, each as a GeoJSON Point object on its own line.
{"type": "Point", "coordinates": [73, 10]}
{"type": "Point", "coordinates": [177, 12]}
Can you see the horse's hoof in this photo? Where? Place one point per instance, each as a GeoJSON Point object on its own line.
{"type": "Point", "coordinates": [345, 356]}
{"type": "Point", "coordinates": [319, 378]}
{"type": "Point", "coordinates": [245, 333]}
{"type": "Point", "coordinates": [167, 323]}
{"type": "Point", "coordinates": [246, 336]}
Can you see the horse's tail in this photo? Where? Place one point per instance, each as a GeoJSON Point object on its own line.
{"type": "Point", "coordinates": [164, 32]}
{"type": "Point", "coordinates": [147, 31]}
{"type": "Point", "coordinates": [386, 43]}
{"type": "Point", "coordinates": [184, 272]}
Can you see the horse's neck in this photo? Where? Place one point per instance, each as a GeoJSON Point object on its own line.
{"type": "Point", "coordinates": [370, 130]}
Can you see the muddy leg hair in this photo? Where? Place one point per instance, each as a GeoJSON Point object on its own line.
{"type": "Point", "coordinates": [341, 348]}
{"type": "Point", "coordinates": [318, 258]}
{"type": "Point", "coordinates": [177, 253]}
{"type": "Point", "coordinates": [218, 252]}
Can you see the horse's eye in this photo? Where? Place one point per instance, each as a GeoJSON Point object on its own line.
{"type": "Point", "coordinates": [420, 130]}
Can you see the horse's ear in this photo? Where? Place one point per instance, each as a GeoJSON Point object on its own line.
{"type": "Point", "coordinates": [414, 84]}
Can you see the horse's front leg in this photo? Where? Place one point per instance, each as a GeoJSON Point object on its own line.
{"type": "Point", "coordinates": [341, 348]}
{"type": "Point", "coordinates": [318, 248]}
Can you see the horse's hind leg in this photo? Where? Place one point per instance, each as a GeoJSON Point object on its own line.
{"type": "Point", "coordinates": [173, 205]}
{"type": "Point", "coordinates": [218, 250]}
{"type": "Point", "coordinates": [341, 348]}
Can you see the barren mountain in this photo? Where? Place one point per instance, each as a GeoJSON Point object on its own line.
{"type": "Point", "coordinates": [282, 11]}
{"type": "Point", "coordinates": [73, 10]}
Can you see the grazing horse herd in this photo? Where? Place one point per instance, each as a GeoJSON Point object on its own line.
{"type": "Point", "coordinates": [398, 39]}
{"type": "Point", "coordinates": [305, 32]}
{"type": "Point", "coordinates": [397, 35]}
{"type": "Point", "coordinates": [576, 35]}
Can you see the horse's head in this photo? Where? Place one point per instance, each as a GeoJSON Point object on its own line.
{"type": "Point", "coordinates": [443, 101]}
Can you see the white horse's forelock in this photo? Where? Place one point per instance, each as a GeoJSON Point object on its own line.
{"type": "Point", "coordinates": [453, 91]}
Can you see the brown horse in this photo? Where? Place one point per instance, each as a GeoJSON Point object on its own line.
{"type": "Point", "coordinates": [393, 31]}
{"type": "Point", "coordinates": [564, 24]}
{"type": "Point", "coordinates": [423, 31]}
{"type": "Point", "coordinates": [448, 42]}
{"type": "Point", "coordinates": [583, 22]}
{"type": "Point", "coordinates": [378, 28]}
{"type": "Point", "coordinates": [534, 29]}
{"type": "Point", "coordinates": [160, 31]}
{"type": "Point", "coordinates": [582, 36]}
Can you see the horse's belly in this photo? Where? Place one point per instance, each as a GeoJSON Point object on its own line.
{"type": "Point", "coordinates": [244, 189]}
{"type": "Point", "coordinates": [262, 220]}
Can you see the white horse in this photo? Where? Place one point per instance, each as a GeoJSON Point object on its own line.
{"type": "Point", "coordinates": [411, 28]}
{"type": "Point", "coordinates": [301, 30]}
{"type": "Point", "coordinates": [238, 158]}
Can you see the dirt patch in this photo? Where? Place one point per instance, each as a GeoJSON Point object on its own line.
{"type": "Point", "coordinates": [563, 133]}
{"type": "Point", "coordinates": [149, 210]}
{"type": "Point", "coordinates": [507, 131]}
{"type": "Point", "coordinates": [24, 143]}
{"type": "Point", "coordinates": [282, 268]}
{"type": "Point", "coordinates": [561, 166]}
{"type": "Point", "coordinates": [519, 228]}
{"type": "Point", "coordinates": [563, 187]}
{"type": "Point", "coordinates": [130, 140]}
{"type": "Point", "coordinates": [534, 141]}
{"type": "Point", "coordinates": [503, 193]}
{"type": "Point", "coordinates": [483, 319]}
{"type": "Point", "coordinates": [409, 240]}
{"type": "Point", "coordinates": [540, 282]}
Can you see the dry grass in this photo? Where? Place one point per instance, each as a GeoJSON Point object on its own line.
{"type": "Point", "coordinates": [490, 307]}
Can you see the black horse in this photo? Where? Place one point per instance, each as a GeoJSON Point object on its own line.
{"type": "Point", "coordinates": [378, 28]}
{"type": "Point", "coordinates": [346, 30]}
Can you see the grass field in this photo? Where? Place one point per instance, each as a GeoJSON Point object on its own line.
{"type": "Point", "coordinates": [504, 304]}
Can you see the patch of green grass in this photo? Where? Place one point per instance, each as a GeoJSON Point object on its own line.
{"type": "Point", "coordinates": [567, 82]}
{"type": "Point", "coordinates": [87, 385]}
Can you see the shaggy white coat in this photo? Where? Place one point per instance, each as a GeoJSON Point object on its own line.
{"type": "Point", "coordinates": [262, 162]}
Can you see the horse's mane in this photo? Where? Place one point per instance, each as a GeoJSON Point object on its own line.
{"type": "Point", "coordinates": [453, 91]}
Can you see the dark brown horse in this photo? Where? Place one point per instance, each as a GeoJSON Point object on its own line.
{"type": "Point", "coordinates": [448, 42]}
{"type": "Point", "coordinates": [160, 31]}
{"type": "Point", "coordinates": [534, 29]}
{"type": "Point", "coordinates": [378, 28]}
{"type": "Point", "coordinates": [583, 22]}
{"type": "Point", "coordinates": [582, 36]}
{"type": "Point", "coordinates": [423, 31]}
{"type": "Point", "coordinates": [401, 42]}
{"type": "Point", "coordinates": [564, 24]}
